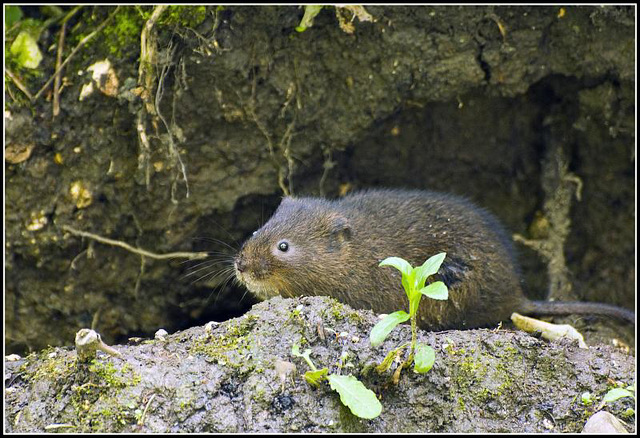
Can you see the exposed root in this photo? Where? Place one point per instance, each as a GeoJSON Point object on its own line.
{"type": "Point", "coordinates": [285, 175]}
{"type": "Point", "coordinates": [58, 80]}
{"type": "Point", "coordinates": [173, 150]}
{"type": "Point", "coordinates": [146, 78]}
{"type": "Point", "coordinates": [327, 166]}
{"type": "Point", "coordinates": [556, 181]}
{"type": "Point", "coordinates": [149, 80]}
{"type": "Point", "coordinates": [139, 251]}
{"type": "Point", "coordinates": [18, 83]}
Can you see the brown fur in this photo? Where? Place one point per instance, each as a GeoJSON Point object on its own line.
{"type": "Point", "coordinates": [334, 248]}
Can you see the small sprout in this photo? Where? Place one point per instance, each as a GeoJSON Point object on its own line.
{"type": "Point", "coordinates": [586, 398]}
{"type": "Point", "coordinates": [630, 412]}
{"type": "Point", "coordinates": [361, 401]}
{"type": "Point", "coordinates": [618, 393]}
{"type": "Point", "coordinates": [345, 15]}
{"type": "Point", "coordinates": [310, 12]}
{"type": "Point", "coordinates": [25, 49]}
{"type": "Point", "coordinates": [295, 351]}
{"type": "Point", "coordinates": [413, 282]}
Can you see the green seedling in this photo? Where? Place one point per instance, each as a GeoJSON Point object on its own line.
{"type": "Point", "coordinates": [361, 401]}
{"type": "Point", "coordinates": [24, 49]}
{"type": "Point", "coordinates": [12, 14]}
{"type": "Point", "coordinates": [611, 396]}
{"type": "Point", "coordinates": [344, 13]}
{"type": "Point", "coordinates": [586, 398]}
{"type": "Point", "coordinates": [617, 393]}
{"type": "Point", "coordinates": [413, 282]}
{"type": "Point", "coordinates": [310, 11]}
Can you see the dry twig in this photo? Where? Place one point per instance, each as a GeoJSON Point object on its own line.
{"type": "Point", "coordinates": [142, 252]}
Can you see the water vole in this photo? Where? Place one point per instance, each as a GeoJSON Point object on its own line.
{"type": "Point", "coordinates": [313, 246]}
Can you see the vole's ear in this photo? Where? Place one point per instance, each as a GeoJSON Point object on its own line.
{"type": "Point", "coordinates": [339, 232]}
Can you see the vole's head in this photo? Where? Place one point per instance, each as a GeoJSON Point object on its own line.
{"type": "Point", "coordinates": [293, 253]}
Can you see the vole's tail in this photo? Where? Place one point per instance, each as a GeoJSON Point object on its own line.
{"type": "Point", "coordinates": [580, 308]}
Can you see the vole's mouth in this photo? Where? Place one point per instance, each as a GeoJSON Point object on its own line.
{"type": "Point", "coordinates": [261, 288]}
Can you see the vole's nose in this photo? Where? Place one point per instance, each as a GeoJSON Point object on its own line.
{"type": "Point", "coordinates": [240, 264]}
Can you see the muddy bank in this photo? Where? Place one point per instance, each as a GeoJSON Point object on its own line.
{"type": "Point", "coordinates": [223, 379]}
{"type": "Point", "coordinates": [470, 100]}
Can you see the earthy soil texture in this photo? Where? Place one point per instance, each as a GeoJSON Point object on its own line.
{"type": "Point", "coordinates": [223, 379]}
{"type": "Point", "coordinates": [506, 105]}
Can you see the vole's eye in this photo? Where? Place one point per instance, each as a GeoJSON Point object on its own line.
{"type": "Point", "coordinates": [283, 246]}
{"type": "Point", "coordinates": [255, 232]}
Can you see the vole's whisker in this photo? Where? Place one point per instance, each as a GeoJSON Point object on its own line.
{"type": "Point", "coordinates": [212, 256]}
{"type": "Point", "coordinates": [211, 239]}
{"type": "Point", "coordinates": [214, 274]}
{"type": "Point", "coordinates": [229, 277]}
{"type": "Point", "coordinates": [209, 265]}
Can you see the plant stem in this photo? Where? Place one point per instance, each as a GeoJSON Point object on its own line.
{"type": "Point", "coordinates": [414, 337]}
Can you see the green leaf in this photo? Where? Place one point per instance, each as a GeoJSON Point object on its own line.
{"type": "Point", "coordinates": [436, 291]}
{"type": "Point", "coordinates": [25, 49]}
{"type": "Point", "coordinates": [295, 351]}
{"type": "Point", "coordinates": [11, 15]}
{"type": "Point", "coordinates": [361, 401]}
{"type": "Point", "coordinates": [400, 264]}
{"type": "Point", "coordinates": [424, 359]}
{"type": "Point", "coordinates": [383, 328]}
{"type": "Point", "coordinates": [615, 394]}
{"type": "Point", "coordinates": [51, 11]}
{"type": "Point", "coordinates": [310, 11]}
{"type": "Point", "coordinates": [628, 413]}
{"type": "Point", "coordinates": [406, 285]}
{"type": "Point", "coordinates": [428, 268]}
{"type": "Point", "coordinates": [316, 377]}
{"type": "Point", "coordinates": [586, 398]}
